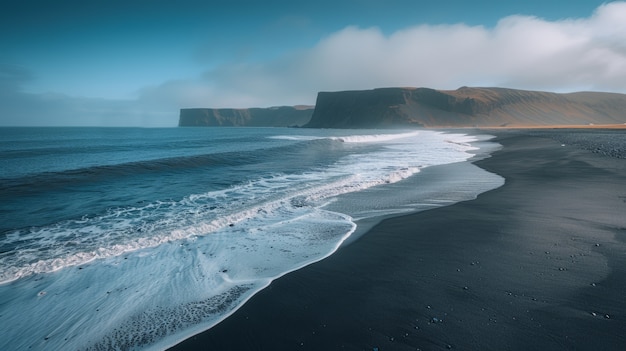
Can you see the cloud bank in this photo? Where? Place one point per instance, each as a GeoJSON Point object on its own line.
{"type": "Point", "coordinates": [521, 52]}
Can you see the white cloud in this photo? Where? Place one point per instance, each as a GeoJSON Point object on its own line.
{"type": "Point", "coordinates": [519, 52]}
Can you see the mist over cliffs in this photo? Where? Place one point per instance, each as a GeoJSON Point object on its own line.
{"type": "Point", "coordinates": [429, 108]}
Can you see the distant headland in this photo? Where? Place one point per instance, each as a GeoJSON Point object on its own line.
{"type": "Point", "coordinates": [465, 107]}
{"type": "Point", "coordinates": [280, 116]}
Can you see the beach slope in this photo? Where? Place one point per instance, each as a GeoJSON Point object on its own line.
{"type": "Point", "coordinates": [537, 264]}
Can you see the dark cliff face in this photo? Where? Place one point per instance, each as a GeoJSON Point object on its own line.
{"type": "Point", "coordinates": [464, 107]}
{"type": "Point", "coordinates": [423, 107]}
{"type": "Point", "coordinates": [283, 116]}
{"type": "Point", "coordinates": [361, 109]}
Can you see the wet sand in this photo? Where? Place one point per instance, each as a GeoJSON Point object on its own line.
{"type": "Point", "coordinates": [537, 264]}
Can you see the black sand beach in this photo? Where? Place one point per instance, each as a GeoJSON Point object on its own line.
{"type": "Point", "coordinates": [538, 264]}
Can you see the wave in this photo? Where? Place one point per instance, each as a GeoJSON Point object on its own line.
{"type": "Point", "coordinates": [121, 230]}
{"type": "Point", "coordinates": [73, 176]}
{"type": "Point", "coordinates": [357, 138]}
{"type": "Point", "coordinates": [44, 181]}
{"type": "Point", "coordinates": [375, 138]}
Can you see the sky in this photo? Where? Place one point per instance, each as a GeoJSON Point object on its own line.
{"type": "Point", "coordinates": [136, 63]}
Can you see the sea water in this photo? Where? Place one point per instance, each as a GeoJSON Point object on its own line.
{"type": "Point", "coordinates": [133, 239]}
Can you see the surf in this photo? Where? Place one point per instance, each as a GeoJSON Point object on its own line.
{"type": "Point", "coordinates": [146, 275]}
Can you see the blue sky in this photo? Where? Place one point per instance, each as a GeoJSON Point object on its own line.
{"type": "Point", "coordinates": [123, 63]}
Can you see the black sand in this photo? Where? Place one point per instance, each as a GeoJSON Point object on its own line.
{"type": "Point", "coordinates": [538, 264]}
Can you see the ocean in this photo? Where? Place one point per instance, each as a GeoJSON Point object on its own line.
{"type": "Point", "coordinates": [135, 239]}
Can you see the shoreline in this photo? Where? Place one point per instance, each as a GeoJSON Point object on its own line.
{"type": "Point", "coordinates": [539, 263]}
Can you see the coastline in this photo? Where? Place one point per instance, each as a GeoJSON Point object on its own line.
{"type": "Point", "coordinates": [539, 263]}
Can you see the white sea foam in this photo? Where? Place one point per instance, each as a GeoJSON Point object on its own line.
{"type": "Point", "coordinates": [75, 242]}
{"type": "Point", "coordinates": [221, 246]}
{"type": "Point", "coordinates": [297, 137]}
{"type": "Point", "coordinates": [356, 138]}
{"type": "Point", "coordinates": [373, 138]}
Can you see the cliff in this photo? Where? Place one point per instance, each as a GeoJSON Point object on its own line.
{"type": "Point", "coordinates": [464, 107]}
{"type": "Point", "coordinates": [283, 116]}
